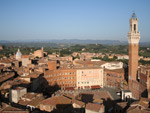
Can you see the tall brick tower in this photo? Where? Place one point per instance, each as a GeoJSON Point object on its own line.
{"type": "Point", "coordinates": [133, 40]}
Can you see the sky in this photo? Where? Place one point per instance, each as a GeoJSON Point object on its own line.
{"type": "Point", "coordinates": [72, 19]}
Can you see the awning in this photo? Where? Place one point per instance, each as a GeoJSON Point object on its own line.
{"type": "Point", "coordinates": [95, 87]}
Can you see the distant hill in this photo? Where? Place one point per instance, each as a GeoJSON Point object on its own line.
{"type": "Point", "coordinates": [71, 41]}
{"type": "Point", "coordinates": [75, 41]}
{"type": "Point", "coordinates": [4, 41]}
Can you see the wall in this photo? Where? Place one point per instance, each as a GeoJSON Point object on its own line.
{"type": "Point", "coordinates": [89, 77]}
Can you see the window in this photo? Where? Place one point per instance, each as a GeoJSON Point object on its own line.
{"type": "Point", "coordinates": [134, 27]}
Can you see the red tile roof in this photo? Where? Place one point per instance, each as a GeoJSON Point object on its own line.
{"type": "Point", "coordinates": [94, 107]}
{"type": "Point", "coordinates": [56, 100]}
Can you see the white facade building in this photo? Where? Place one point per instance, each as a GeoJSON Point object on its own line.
{"type": "Point", "coordinates": [113, 65]}
{"type": "Point", "coordinates": [122, 57]}
{"type": "Point", "coordinates": [17, 93]}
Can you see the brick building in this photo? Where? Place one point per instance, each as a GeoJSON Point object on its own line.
{"type": "Point", "coordinates": [114, 77]}
{"type": "Point", "coordinates": [144, 75]}
{"type": "Point", "coordinates": [71, 78]}
{"type": "Point", "coordinates": [64, 78]}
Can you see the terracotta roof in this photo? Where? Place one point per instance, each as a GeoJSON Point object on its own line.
{"type": "Point", "coordinates": [16, 81]}
{"type": "Point", "coordinates": [56, 100]}
{"type": "Point", "coordinates": [116, 70]}
{"type": "Point", "coordinates": [23, 102]}
{"type": "Point", "coordinates": [94, 107]}
{"type": "Point", "coordinates": [35, 102]}
{"type": "Point", "coordinates": [78, 102]}
{"type": "Point", "coordinates": [137, 109]}
{"type": "Point", "coordinates": [122, 104]}
{"type": "Point", "coordinates": [141, 103]}
{"type": "Point", "coordinates": [89, 96]}
{"type": "Point", "coordinates": [25, 56]}
{"type": "Point", "coordinates": [29, 95]}
{"type": "Point", "coordinates": [95, 63]}
{"type": "Point", "coordinates": [5, 61]}
{"type": "Point", "coordinates": [70, 96]}
{"type": "Point", "coordinates": [88, 67]}
{"type": "Point", "coordinates": [97, 101]}
{"type": "Point", "coordinates": [6, 76]}
{"type": "Point", "coordinates": [13, 109]}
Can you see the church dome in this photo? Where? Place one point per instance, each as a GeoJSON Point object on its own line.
{"type": "Point", "coordinates": [18, 54]}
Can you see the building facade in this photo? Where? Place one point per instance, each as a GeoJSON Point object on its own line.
{"type": "Point", "coordinates": [17, 93]}
{"type": "Point", "coordinates": [25, 60]}
{"type": "Point", "coordinates": [64, 78]}
{"type": "Point", "coordinates": [39, 53]}
{"type": "Point", "coordinates": [88, 78]}
{"type": "Point", "coordinates": [114, 78]}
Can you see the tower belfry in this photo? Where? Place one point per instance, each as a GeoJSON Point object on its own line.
{"type": "Point", "coordinates": [133, 40]}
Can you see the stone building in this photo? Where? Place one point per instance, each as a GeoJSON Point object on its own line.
{"type": "Point", "coordinates": [16, 94]}
{"type": "Point", "coordinates": [25, 60]}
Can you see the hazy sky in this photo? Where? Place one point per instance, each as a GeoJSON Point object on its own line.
{"type": "Point", "coordinates": [72, 19]}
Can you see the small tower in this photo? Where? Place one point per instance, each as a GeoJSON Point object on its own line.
{"type": "Point", "coordinates": [42, 49]}
{"type": "Point", "coordinates": [133, 40]}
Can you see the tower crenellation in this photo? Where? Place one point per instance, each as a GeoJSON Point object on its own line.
{"type": "Point", "coordinates": [134, 34]}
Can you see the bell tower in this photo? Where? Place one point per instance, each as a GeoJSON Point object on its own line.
{"type": "Point", "coordinates": [133, 40]}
